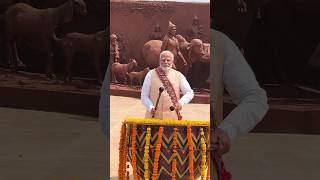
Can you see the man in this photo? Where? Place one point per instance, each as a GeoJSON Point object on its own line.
{"type": "Point", "coordinates": [104, 103]}
{"type": "Point", "coordinates": [104, 110]}
{"type": "Point", "coordinates": [230, 71]}
{"type": "Point", "coordinates": [166, 77]}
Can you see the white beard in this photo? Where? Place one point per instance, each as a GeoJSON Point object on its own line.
{"type": "Point", "coordinates": [166, 69]}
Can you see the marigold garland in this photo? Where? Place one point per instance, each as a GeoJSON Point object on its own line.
{"type": "Point", "coordinates": [122, 153]}
{"type": "Point", "coordinates": [208, 169]}
{"type": "Point", "coordinates": [167, 122]}
{"type": "Point", "coordinates": [133, 151]}
{"type": "Point", "coordinates": [146, 154]}
{"type": "Point", "coordinates": [174, 154]}
{"type": "Point", "coordinates": [128, 175]}
{"type": "Point", "coordinates": [125, 153]}
{"type": "Point", "coordinates": [174, 169]}
{"type": "Point", "coordinates": [191, 152]}
{"type": "Point", "coordinates": [203, 154]}
{"type": "Point", "coordinates": [157, 154]}
{"type": "Point", "coordinates": [133, 122]}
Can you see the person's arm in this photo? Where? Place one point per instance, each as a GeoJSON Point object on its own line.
{"type": "Point", "coordinates": [245, 92]}
{"type": "Point", "coordinates": [180, 54]}
{"type": "Point", "coordinates": [186, 91]}
{"type": "Point", "coordinates": [145, 92]}
{"type": "Point", "coordinates": [104, 104]}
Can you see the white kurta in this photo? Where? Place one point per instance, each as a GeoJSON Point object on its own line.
{"type": "Point", "coordinates": [148, 97]}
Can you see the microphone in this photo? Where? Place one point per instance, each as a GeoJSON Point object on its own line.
{"type": "Point", "coordinates": [161, 89]}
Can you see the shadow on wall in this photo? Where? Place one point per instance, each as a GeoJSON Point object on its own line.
{"type": "Point", "coordinates": [278, 37]}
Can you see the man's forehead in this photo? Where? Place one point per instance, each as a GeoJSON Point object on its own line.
{"type": "Point", "coordinates": [166, 55]}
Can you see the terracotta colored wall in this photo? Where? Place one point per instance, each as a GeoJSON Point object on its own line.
{"type": "Point", "coordinates": [136, 20]}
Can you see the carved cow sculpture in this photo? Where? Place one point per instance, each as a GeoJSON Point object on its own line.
{"type": "Point", "coordinates": [120, 70]}
{"type": "Point", "coordinates": [92, 45]}
{"type": "Point", "coordinates": [137, 76]}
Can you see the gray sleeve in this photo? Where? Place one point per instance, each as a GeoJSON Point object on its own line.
{"type": "Point", "coordinates": [104, 104]}
{"type": "Point", "coordinates": [245, 92]}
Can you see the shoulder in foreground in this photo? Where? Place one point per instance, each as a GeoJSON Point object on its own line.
{"type": "Point", "coordinates": [217, 35]}
{"type": "Point", "coordinates": [221, 40]}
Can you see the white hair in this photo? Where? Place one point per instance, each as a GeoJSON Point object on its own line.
{"type": "Point", "coordinates": [163, 53]}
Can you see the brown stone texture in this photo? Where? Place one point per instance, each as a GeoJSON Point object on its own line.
{"type": "Point", "coordinates": [136, 20]}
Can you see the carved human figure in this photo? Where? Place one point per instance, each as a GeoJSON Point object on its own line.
{"type": "Point", "coordinates": [122, 44]}
{"type": "Point", "coordinates": [195, 29]}
{"type": "Point", "coordinates": [171, 43]}
{"type": "Point", "coordinates": [114, 49]}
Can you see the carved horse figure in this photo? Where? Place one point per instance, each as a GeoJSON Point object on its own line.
{"type": "Point", "coordinates": [23, 21]}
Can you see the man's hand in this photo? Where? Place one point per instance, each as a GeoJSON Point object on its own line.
{"type": "Point", "coordinates": [153, 111]}
{"type": "Point", "coordinates": [178, 106]}
{"type": "Point", "coordinates": [225, 143]}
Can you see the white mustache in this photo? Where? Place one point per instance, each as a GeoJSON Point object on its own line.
{"type": "Point", "coordinates": [165, 65]}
